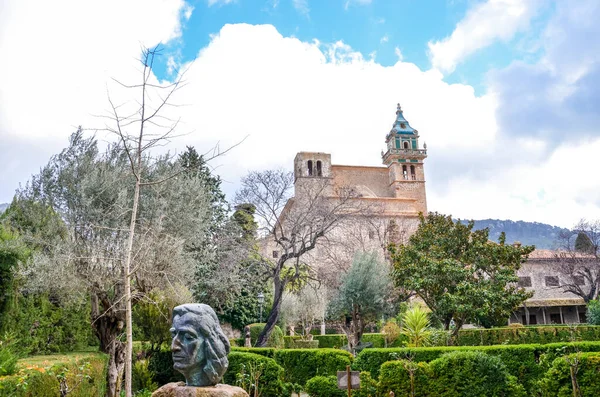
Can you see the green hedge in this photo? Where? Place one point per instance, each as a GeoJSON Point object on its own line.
{"type": "Point", "coordinates": [302, 364]}
{"type": "Point", "coordinates": [40, 381]}
{"type": "Point", "coordinates": [458, 373]}
{"type": "Point", "coordinates": [275, 339]}
{"type": "Point", "coordinates": [323, 386]}
{"type": "Point", "coordinates": [270, 383]}
{"type": "Point", "coordinates": [527, 335]}
{"type": "Point", "coordinates": [557, 380]}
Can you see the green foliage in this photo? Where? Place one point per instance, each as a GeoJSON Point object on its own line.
{"type": "Point", "coordinates": [141, 377]}
{"type": "Point", "coordinates": [8, 355]}
{"type": "Point", "coordinates": [557, 380]}
{"type": "Point", "coordinates": [152, 319]}
{"type": "Point", "coordinates": [302, 364]}
{"type": "Point", "coordinates": [415, 326]}
{"type": "Point", "coordinates": [404, 377]}
{"type": "Point", "coordinates": [12, 251]}
{"type": "Point", "coordinates": [270, 382]}
{"type": "Point", "coordinates": [363, 295]}
{"type": "Point", "coordinates": [46, 325]}
{"type": "Point", "coordinates": [275, 339]}
{"type": "Point", "coordinates": [160, 364]}
{"type": "Point", "coordinates": [323, 386]}
{"type": "Point", "coordinates": [443, 263]}
{"type": "Point", "coordinates": [593, 312]}
{"type": "Point", "coordinates": [391, 332]}
{"type": "Point", "coordinates": [472, 374]}
{"type": "Point", "coordinates": [85, 377]}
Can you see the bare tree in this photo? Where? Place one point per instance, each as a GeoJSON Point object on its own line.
{"type": "Point", "coordinates": [294, 226]}
{"type": "Point", "coordinates": [579, 260]}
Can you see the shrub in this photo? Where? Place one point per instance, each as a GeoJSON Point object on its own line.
{"type": "Point", "coordinates": [275, 339]}
{"type": "Point", "coordinates": [243, 365]}
{"type": "Point", "coordinates": [391, 332]}
{"type": "Point", "coordinates": [472, 373]}
{"type": "Point", "coordinates": [557, 380]}
{"type": "Point", "coordinates": [87, 377]}
{"type": "Point", "coordinates": [516, 325]}
{"type": "Point", "coordinates": [141, 378]}
{"type": "Point", "coordinates": [415, 326]}
{"type": "Point", "coordinates": [263, 351]}
{"type": "Point", "coordinates": [323, 386]}
{"type": "Point", "coordinates": [8, 355]}
{"type": "Point", "coordinates": [593, 312]}
{"type": "Point", "coordinates": [160, 365]}
{"type": "Point", "coordinates": [302, 364]}
{"type": "Point", "coordinates": [305, 344]}
{"type": "Point", "coordinates": [404, 377]}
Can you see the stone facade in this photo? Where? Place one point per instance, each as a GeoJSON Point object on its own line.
{"type": "Point", "coordinates": [542, 274]}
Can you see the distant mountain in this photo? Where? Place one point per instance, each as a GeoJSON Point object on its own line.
{"type": "Point", "coordinates": [3, 207]}
{"type": "Point", "coordinates": [541, 235]}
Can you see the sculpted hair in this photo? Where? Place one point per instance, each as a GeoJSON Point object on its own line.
{"type": "Point", "coordinates": [216, 344]}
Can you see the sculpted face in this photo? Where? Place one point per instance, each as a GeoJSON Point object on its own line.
{"type": "Point", "coordinates": [187, 346]}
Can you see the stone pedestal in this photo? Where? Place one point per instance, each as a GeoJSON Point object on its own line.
{"type": "Point", "coordinates": [179, 389]}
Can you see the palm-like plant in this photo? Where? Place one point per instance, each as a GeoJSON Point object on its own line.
{"type": "Point", "coordinates": [415, 326]}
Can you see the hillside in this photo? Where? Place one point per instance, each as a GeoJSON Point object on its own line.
{"type": "Point", "coordinates": [541, 235]}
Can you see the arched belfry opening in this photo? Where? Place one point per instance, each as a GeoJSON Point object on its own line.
{"type": "Point", "coordinates": [309, 165]}
{"type": "Point", "coordinates": [319, 168]}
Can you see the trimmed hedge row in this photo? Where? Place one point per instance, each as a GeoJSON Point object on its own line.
{"type": "Point", "coordinates": [87, 375]}
{"type": "Point", "coordinates": [475, 337]}
{"type": "Point", "coordinates": [520, 360]}
{"type": "Point", "coordinates": [302, 364]}
{"type": "Point", "coordinates": [557, 380]}
{"type": "Point", "coordinates": [241, 366]}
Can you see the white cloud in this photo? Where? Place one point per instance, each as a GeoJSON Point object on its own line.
{"type": "Point", "coordinates": [359, 2]}
{"type": "Point", "coordinates": [483, 24]}
{"type": "Point", "coordinates": [301, 6]}
{"type": "Point", "coordinates": [384, 39]}
{"type": "Point", "coordinates": [398, 53]}
{"type": "Point", "coordinates": [221, 2]}
{"type": "Point", "coordinates": [287, 96]}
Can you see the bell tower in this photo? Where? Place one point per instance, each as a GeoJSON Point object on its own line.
{"type": "Point", "coordinates": [404, 159]}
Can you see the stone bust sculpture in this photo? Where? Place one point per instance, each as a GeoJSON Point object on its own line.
{"type": "Point", "coordinates": [199, 346]}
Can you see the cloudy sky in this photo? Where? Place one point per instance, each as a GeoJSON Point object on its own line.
{"type": "Point", "coordinates": [506, 93]}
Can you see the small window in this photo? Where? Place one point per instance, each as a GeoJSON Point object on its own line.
{"type": "Point", "coordinates": [405, 143]}
{"type": "Point", "coordinates": [402, 125]}
{"type": "Point", "coordinates": [319, 168]}
{"type": "Point", "coordinates": [525, 281]}
{"type": "Point", "coordinates": [404, 172]}
{"type": "Point", "coordinates": [552, 281]}
{"type": "Point", "coordinates": [275, 254]}
{"type": "Point", "coordinates": [579, 280]}
{"type": "Point", "coordinates": [555, 318]}
{"type": "Point", "coordinates": [413, 175]}
{"type": "Point", "coordinates": [310, 167]}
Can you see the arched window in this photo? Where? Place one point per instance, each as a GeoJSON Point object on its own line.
{"type": "Point", "coordinates": [413, 176]}
{"type": "Point", "coordinates": [310, 167]}
{"type": "Point", "coordinates": [405, 144]}
{"type": "Point", "coordinates": [404, 172]}
{"type": "Point", "coordinates": [319, 168]}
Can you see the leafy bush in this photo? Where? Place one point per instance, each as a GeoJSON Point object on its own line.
{"type": "Point", "coordinates": [472, 373]}
{"type": "Point", "coordinates": [87, 377]}
{"type": "Point", "coordinates": [302, 364]}
{"type": "Point", "coordinates": [305, 344]}
{"type": "Point", "coordinates": [141, 378]}
{"type": "Point", "coordinates": [263, 351]}
{"type": "Point", "coordinates": [557, 380]}
{"type": "Point", "coordinates": [242, 367]}
{"type": "Point", "coordinates": [275, 339]}
{"type": "Point", "coordinates": [323, 386]}
{"type": "Point", "coordinates": [391, 332]}
{"type": "Point", "coordinates": [415, 326]}
{"type": "Point", "coordinates": [404, 377]}
{"type": "Point", "coordinates": [593, 312]}
{"type": "Point", "coordinates": [8, 355]}
{"type": "Point", "coordinates": [160, 365]}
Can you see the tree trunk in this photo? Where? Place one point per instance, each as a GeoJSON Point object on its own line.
{"type": "Point", "coordinates": [107, 324]}
{"type": "Point", "coordinates": [274, 315]}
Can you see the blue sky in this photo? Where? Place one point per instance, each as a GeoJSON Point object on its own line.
{"type": "Point", "coordinates": [376, 28]}
{"type": "Point", "coordinates": [504, 92]}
